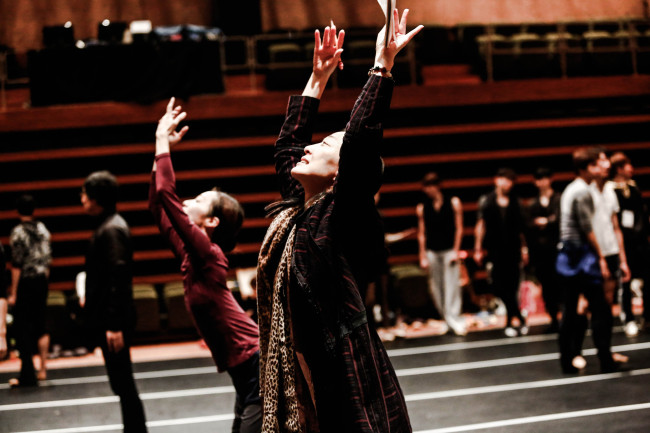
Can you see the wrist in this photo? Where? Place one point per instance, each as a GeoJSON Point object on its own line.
{"type": "Point", "coordinates": [380, 70]}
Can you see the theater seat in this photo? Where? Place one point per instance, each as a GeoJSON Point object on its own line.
{"type": "Point", "coordinates": [287, 68]}
{"type": "Point", "coordinates": [57, 317]}
{"type": "Point", "coordinates": [177, 316]}
{"type": "Point", "coordinates": [147, 308]}
{"type": "Point", "coordinates": [412, 291]}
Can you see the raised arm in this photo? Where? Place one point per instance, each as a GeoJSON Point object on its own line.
{"type": "Point", "coordinates": [422, 237]}
{"type": "Point", "coordinates": [296, 132]}
{"type": "Point", "coordinates": [360, 165]}
{"type": "Point", "coordinates": [188, 234]}
{"type": "Point", "coordinates": [327, 57]}
{"type": "Point", "coordinates": [161, 219]}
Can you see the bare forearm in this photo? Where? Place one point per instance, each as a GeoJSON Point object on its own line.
{"type": "Point", "coordinates": [479, 233]}
{"type": "Point", "coordinates": [15, 278]}
{"type": "Point", "coordinates": [3, 317]}
{"type": "Point", "coordinates": [315, 86]}
{"type": "Point", "coordinates": [162, 145]}
{"type": "Point", "coordinates": [591, 237]}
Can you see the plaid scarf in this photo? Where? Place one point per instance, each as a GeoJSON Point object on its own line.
{"type": "Point", "coordinates": [277, 356]}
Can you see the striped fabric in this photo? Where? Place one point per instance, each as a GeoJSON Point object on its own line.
{"type": "Point", "coordinates": [349, 383]}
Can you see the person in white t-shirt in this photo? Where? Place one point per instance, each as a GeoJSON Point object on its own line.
{"type": "Point", "coordinates": [606, 227]}
{"type": "Point", "coordinates": [610, 240]}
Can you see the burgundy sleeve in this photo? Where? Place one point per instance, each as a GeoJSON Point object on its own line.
{"type": "Point", "coordinates": [194, 240]}
{"type": "Point", "coordinates": [162, 221]}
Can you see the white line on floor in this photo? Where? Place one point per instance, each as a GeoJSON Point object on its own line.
{"type": "Point", "coordinates": [143, 375]}
{"type": "Point", "coordinates": [470, 427]}
{"type": "Point", "coordinates": [469, 345]}
{"type": "Point", "coordinates": [150, 424]}
{"type": "Point", "coordinates": [506, 361]}
{"type": "Point", "coordinates": [540, 418]}
{"type": "Point", "coordinates": [524, 385]}
{"type": "Point", "coordinates": [113, 399]}
{"type": "Point", "coordinates": [411, 397]}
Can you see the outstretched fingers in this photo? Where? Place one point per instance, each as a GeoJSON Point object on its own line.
{"type": "Point", "coordinates": [316, 40]}
{"type": "Point", "coordinates": [326, 37]}
{"type": "Point", "coordinates": [340, 39]}
{"type": "Point", "coordinates": [170, 104]}
{"type": "Point", "coordinates": [402, 22]}
{"type": "Point", "coordinates": [413, 32]}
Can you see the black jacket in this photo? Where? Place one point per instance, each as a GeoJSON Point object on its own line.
{"type": "Point", "coordinates": [109, 262]}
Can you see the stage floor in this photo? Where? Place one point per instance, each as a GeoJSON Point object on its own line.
{"type": "Point", "coordinates": [483, 382]}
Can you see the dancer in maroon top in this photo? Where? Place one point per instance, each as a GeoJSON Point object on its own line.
{"type": "Point", "coordinates": [200, 231]}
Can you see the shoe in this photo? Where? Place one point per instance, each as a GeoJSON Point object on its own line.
{"type": "Point", "coordinates": [14, 382]}
{"type": "Point", "coordinates": [620, 358]}
{"type": "Point", "coordinates": [461, 331]}
{"type": "Point", "coordinates": [579, 362]}
{"type": "Point", "coordinates": [510, 332]}
{"type": "Point", "coordinates": [523, 330]}
{"type": "Point", "coordinates": [631, 329]}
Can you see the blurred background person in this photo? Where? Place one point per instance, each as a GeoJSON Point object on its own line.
{"type": "Point", "coordinates": [606, 227]}
{"type": "Point", "coordinates": [543, 222]}
{"type": "Point", "coordinates": [3, 304]}
{"type": "Point", "coordinates": [440, 232]}
{"type": "Point", "coordinates": [633, 222]}
{"type": "Point", "coordinates": [583, 268]}
{"type": "Point", "coordinates": [109, 310]}
{"type": "Point", "coordinates": [500, 231]}
{"type": "Point", "coordinates": [31, 256]}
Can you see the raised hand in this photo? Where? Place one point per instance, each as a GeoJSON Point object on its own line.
{"type": "Point", "coordinates": [327, 53]}
{"type": "Point", "coordinates": [169, 122]}
{"type": "Point", "coordinates": [385, 56]}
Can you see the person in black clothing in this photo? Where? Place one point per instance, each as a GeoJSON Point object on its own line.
{"type": "Point", "coordinates": [3, 304]}
{"type": "Point", "coordinates": [543, 221]}
{"type": "Point", "coordinates": [31, 255]}
{"type": "Point", "coordinates": [500, 230]}
{"type": "Point", "coordinates": [440, 233]}
{"type": "Point", "coordinates": [109, 307]}
{"type": "Point", "coordinates": [633, 220]}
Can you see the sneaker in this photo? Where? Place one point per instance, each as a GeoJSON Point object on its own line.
{"type": "Point", "coordinates": [523, 330]}
{"type": "Point", "coordinates": [579, 362]}
{"type": "Point", "coordinates": [631, 329]}
{"type": "Point", "coordinates": [461, 331]}
{"type": "Point", "coordinates": [510, 332]}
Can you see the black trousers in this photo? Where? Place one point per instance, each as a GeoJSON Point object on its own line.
{"type": "Point", "coordinates": [638, 259]}
{"type": "Point", "coordinates": [572, 325]}
{"type": "Point", "coordinates": [544, 264]}
{"type": "Point", "coordinates": [120, 375]}
{"type": "Point", "coordinates": [248, 409]}
{"type": "Point", "coordinates": [505, 282]}
{"type": "Point", "coordinates": [30, 309]}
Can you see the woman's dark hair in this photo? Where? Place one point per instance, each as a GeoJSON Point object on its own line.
{"type": "Point", "coordinates": [583, 157]}
{"type": "Point", "coordinates": [507, 172]}
{"type": "Point", "coordinates": [25, 205]}
{"type": "Point", "coordinates": [102, 186]}
{"type": "Point", "coordinates": [231, 216]}
{"type": "Point", "coordinates": [431, 179]}
{"type": "Point", "coordinates": [542, 172]}
{"type": "Point", "coordinates": [618, 160]}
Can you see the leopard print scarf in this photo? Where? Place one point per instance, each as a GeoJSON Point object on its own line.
{"type": "Point", "coordinates": [277, 357]}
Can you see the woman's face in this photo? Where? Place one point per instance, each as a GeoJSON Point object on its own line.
{"type": "Point", "coordinates": [321, 161]}
{"type": "Point", "coordinates": [197, 208]}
